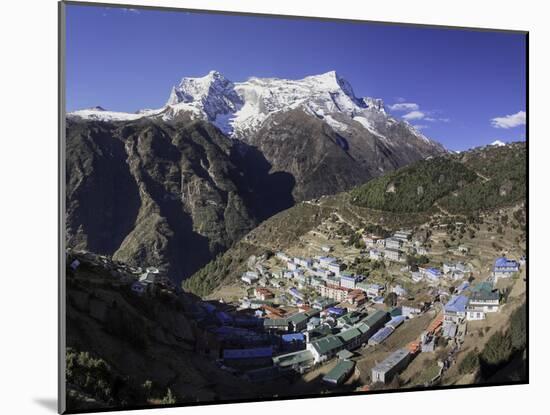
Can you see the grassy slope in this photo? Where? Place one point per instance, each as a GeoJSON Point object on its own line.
{"type": "Point", "coordinates": [414, 188]}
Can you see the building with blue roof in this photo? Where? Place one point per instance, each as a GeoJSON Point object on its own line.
{"type": "Point", "coordinates": [325, 261]}
{"type": "Point", "coordinates": [455, 309]}
{"type": "Point", "coordinates": [295, 293]}
{"type": "Point", "coordinates": [337, 311]}
{"type": "Point", "coordinates": [293, 341]}
{"type": "Point", "coordinates": [381, 335]}
{"type": "Point", "coordinates": [396, 322]}
{"type": "Point", "coordinates": [248, 353]}
{"type": "Point", "coordinates": [432, 273]}
{"type": "Point", "coordinates": [505, 267]}
{"type": "Point", "coordinates": [293, 337]}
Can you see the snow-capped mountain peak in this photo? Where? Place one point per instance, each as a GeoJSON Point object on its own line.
{"type": "Point", "coordinates": [498, 143]}
{"type": "Point", "coordinates": [240, 109]}
{"type": "Point", "coordinates": [212, 94]}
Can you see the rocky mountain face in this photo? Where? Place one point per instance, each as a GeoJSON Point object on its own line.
{"type": "Point", "coordinates": [152, 193]}
{"type": "Point", "coordinates": [173, 187]}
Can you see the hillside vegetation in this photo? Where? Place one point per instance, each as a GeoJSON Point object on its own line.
{"type": "Point", "coordinates": [502, 180]}
{"type": "Point", "coordinates": [480, 179]}
{"type": "Point", "coordinates": [414, 188]}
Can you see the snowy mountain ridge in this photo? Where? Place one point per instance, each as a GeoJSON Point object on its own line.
{"type": "Point", "coordinates": [240, 109]}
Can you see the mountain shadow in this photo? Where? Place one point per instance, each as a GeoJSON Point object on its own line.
{"type": "Point", "coordinates": [269, 192]}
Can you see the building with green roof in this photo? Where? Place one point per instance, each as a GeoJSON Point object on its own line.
{"type": "Point", "coordinates": [325, 348]}
{"type": "Point", "coordinates": [351, 337]}
{"type": "Point", "coordinates": [485, 286]}
{"type": "Point", "coordinates": [349, 319]}
{"type": "Point", "coordinates": [296, 322]}
{"type": "Point", "coordinates": [340, 372]}
{"type": "Point", "coordinates": [483, 299]}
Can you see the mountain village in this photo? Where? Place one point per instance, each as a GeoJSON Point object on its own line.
{"type": "Point", "coordinates": [326, 314]}
{"type": "Point", "coordinates": [327, 318]}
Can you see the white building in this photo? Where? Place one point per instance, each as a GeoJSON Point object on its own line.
{"type": "Point", "coordinates": [400, 291]}
{"type": "Point", "coordinates": [374, 290]}
{"type": "Point", "coordinates": [403, 235]}
{"type": "Point", "coordinates": [416, 276]}
{"type": "Point", "coordinates": [325, 261]}
{"type": "Point", "coordinates": [348, 281]}
{"type": "Point", "coordinates": [482, 302]}
{"type": "Point", "coordinates": [337, 294]}
{"type": "Point", "coordinates": [505, 268]}
{"type": "Point", "coordinates": [455, 309]}
{"type": "Point", "coordinates": [325, 348]}
{"type": "Point", "coordinates": [393, 255]}
{"type": "Point", "coordinates": [421, 250]}
{"type": "Point", "coordinates": [335, 268]}
{"type": "Point", "coordinates": [393, 243]}
{"type": "Point", "coordinates": [250, 277]}
{"type": "Point", "coordinates": [372, 240]}
{"type": "Point", "coordinates": [303, 262]}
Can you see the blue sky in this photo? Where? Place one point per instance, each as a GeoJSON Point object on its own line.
{"type": "Point", "coordinates": [462, 88]}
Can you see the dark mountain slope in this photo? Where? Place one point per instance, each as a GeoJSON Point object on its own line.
{"type": "Point", "coordinates": [152, 193]}
{"type": "Point", "coordinates": [130, 350]}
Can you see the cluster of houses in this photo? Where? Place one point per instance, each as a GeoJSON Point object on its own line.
{"type": "Point", "coordinates": [474, 303]}
{"type": "Point", "coordinates": [335, 323]}
{"type": "Point", "coordinates": [324, 274]}
{"type": "Point", "coordinates": [313, 336]}
{"type": "Point", "coordinates": [276, 341]}
{"type": "Point", "coordinates": [395, 247]}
